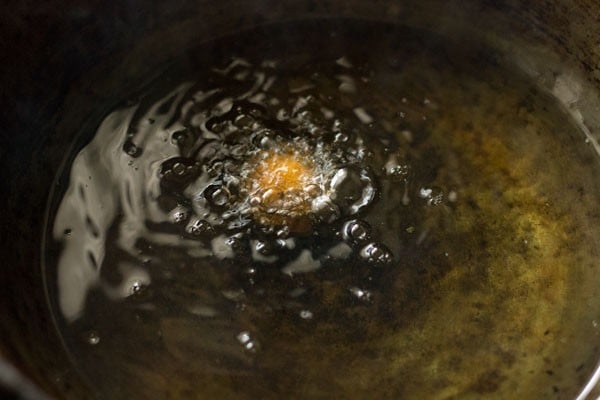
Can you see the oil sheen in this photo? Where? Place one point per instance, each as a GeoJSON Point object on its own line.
{"type": "Point", "coordinates": [351, 210]}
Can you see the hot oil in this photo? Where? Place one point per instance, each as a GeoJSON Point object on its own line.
{"type": "Point", "coordinates": [351, 209]}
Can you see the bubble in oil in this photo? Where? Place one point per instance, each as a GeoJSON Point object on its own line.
{"type": "Point", "coordinates": [395, 169]}
{"type": "Point", "coordinates": [92, 338]}
{"type": "Point", "coordinates": [179, 215]}
{"type": "Point", "coordinates": [356, 231]}
{"type": "Point", "coordinates": [131, 149]}
{"type": "Point", "coordinates": [180, 137]}
{"type": "Point", "coordinates": [199, 227]}
{"type": "Point", "coordinates": [361, 294]}
{"type": "Point", "coordinates": [247, 341]}
{"type": "Point", "coordinates": [376, 253]}
{"type": "Point", "coordinates": [218, 196]}
{"type": "Point", "coordinates": [433, 196]}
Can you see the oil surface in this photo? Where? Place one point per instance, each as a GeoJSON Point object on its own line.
{"type": "Point", "coordinates": [350, 210]}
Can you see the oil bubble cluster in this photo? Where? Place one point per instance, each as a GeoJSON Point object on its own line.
{"type": "Point", "coordinates": [257, 162]}
{"type": "Point", "coordinates": [253, 194]}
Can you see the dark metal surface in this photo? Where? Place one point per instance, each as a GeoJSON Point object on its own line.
{"type": "Point", "coordinates": [16, 386]}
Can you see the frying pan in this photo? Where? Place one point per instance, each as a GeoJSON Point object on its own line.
{"type": "Point", "coordinates": [61, 59]}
